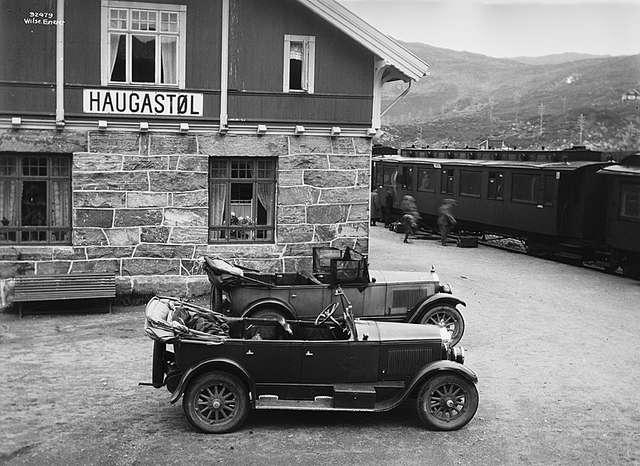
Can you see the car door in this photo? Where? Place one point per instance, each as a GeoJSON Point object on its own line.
{"type": "Point", "coordinates": [272, 361]}
{"type": "Point", "coordinates": [324, 362]}
{"type": "Point", "coordinates": [308, 300]}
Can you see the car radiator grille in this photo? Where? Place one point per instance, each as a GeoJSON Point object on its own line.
{"type": "Point", "coordinates": [403, 362]}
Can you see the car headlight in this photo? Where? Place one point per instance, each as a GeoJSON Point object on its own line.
{"type": "Point", "coordinates": [445, 288]}
{"type": "Point", "coordinates": [459, 354]}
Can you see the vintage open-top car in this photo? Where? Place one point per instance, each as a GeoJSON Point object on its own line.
{"type": "Point", "coordinates": [415, 297]}
{"type": "Point", "coordinates": [225, 366]}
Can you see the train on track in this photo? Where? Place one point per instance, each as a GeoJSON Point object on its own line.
{"type": "Point", "coordinates": [575, 204]}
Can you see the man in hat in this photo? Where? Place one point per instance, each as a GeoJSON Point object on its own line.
{"type": "Point", "coordinates": [446, 220]}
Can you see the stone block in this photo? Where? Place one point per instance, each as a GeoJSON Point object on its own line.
{"type": "Point", "coordinates": [164, 251]}
{"type": "Point", "coordinates": [173, 162]}
{"type": "Point", "coordinates": [292, 214]}
{"type": "Point", "coordinates": [137, 217]}
{"type": "Point", "coordinates": [298, 264]}
{"type": "Point", "coordinates": [123, 236]}
{"type": "Point", "coordinates": [359, 212]}
{"type": "Point", "coordinates": [343, 243]}
{"type": "Point", "coordinates": [89, 237]}
{"type": "Point", "coordinates": [189, 235]}
{"type": "Point", "coordinates": [193, 163]}
{"type": "Point", "coordinates": [327, 213]}
{"type": "Point", "coordinates": [113, 181]}
{"type": "Point", "coordinates": [154, 234]}
{"type": "Point", "coordinates": [25, 253]}
{"type": "Point", "coordinates": [99, 199]}
{"type": "Point", "coordinates": [363, 178]}
{"type": "Point", "coordinates": [349, 162]}
{"type": "Point", "coordinates": [186, 217]}
{"type": "Point", "coordinates": [290, 177]}
{"type": "Point", "coordinates": [342, 145]}
{"type": "Point", "coordinates": [302, 249]}
{"type": "Point", "coordinates": [11, 269]}
{"type": "Point", "coordinates": [144, 143]}
{"type": "Point", "coordinates": [344, 195]}
{"type": "Point", "coordinates": [191, 199]}
{"type": "Point", "coordinates": [295, 233]}
{"type": "Point", "coordinates": [68, 253]}
{"type": "Point", "coordinates": [170, 181]}
{"type": "Point", "coordinates": [309, 145]}
{"type": "Point", "coordinates": [139, 163]}
{"type": "Point", "coordinates": [96, 265]}
{"type": "Point", "coordinates": [52, 267]}
{"type": "Point", "coordinates": [114, 142]}
{"type": "Point", "coordinates": [324, 233]}
{"type": "Point", "coordinates": [50, 141]}
{"type": "Point", "coordinates": [198, 286]}
{"type": "Point", "coordinates": [123, 286]}
{"type": "Point", "coordinates": [362, 245]}
{"type": "Point", "coordinates": [298, 195]}
{"type": "Point", "coordinates": [329, 178]}
{"type": "Point", "coordinates": [363, 145]}
{"type": "Point", "coordinates": [243, 145]}
{"type": "Point", "coordinates": [159, 285]}
{"type": "Point", "coordinates": [151, 266]}
{"type": "Point", "coordinates": [304, 162]}
{"type": "Point", "coordinates": [9, 253]}
{"type": "Point", "coordinates": [96, 218]}
{"type": "Point", "coordinates": [137, 200]}
{"type": "Point", "coordinates": [93, 162]}
{"type": "Point", "coordinates": [190, 267]}
{"type": "Point", "coordinates": [109, 252]}
{"type": "Point", "coordinates": [265, 266]}
{"type": "Point", "coordinates": [160, 144]}
{"type": "Point", "coordinates": [354, 229]}
{"type": "Point", "coordinates": [234, 251]}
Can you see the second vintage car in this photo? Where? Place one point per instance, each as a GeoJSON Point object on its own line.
{"type": "Point", "coordinates": [414, 297]}
{"type": "Point", "coordinates": [223, 367]}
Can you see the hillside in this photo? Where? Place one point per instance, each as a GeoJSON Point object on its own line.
{"type": "Point", "coordinates": [556, 58]}
{"type": "Point", "coordinates": [471, 96]}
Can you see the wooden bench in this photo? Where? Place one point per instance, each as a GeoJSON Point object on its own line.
{"type": "Point", "coordinates": [63, 287]}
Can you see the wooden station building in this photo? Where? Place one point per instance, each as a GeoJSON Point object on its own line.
{"type": "Point", "coordinates": [137, 136]}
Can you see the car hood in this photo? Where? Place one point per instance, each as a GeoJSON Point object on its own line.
{"type": "Point", "coordinates": [396, 331]}
{"type": "Point", "coordinates": [394, 276]}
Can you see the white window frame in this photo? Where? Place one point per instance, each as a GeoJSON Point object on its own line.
{"type": "Point", "coordinates": [106, 6]}
{"type": "Point", "coordinates": [308, 63]}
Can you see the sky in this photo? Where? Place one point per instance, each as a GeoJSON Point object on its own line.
{"type": "Point", "coordinates": [509, 28]}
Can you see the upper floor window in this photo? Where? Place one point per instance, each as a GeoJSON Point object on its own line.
{"type": "Point", "coordinates": [35, 199]}
{"type": "Point", "coordinates": [299, 63]}
{"type": "Point", "coordinates": [241, 199]}
{"type": "Point", "coordinates": [143, 43]}
{"type": "Point", "coordinates": [630, 202]}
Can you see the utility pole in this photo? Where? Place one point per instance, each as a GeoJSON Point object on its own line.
{"type": "Point", "coordinates": [581, 125]}
{"type": "Point", "coordinates": [564, 108]}
{"type": "Point", "coordinates": [516, 97]}
{"type": "Point", "coordinates": [541, 110]}
{"type": "Point", "coordinates": [491, 109]}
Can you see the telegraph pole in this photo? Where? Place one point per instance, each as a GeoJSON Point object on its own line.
{"type": "Point", "coordinates": [564, 108]}
{"type": "Point", "coordinates": [581, 125]}
{"type": "Point", "coordinates": [541, 110]}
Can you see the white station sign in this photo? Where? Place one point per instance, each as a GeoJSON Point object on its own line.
{"type": "Point", "coordinates": [134, 102]}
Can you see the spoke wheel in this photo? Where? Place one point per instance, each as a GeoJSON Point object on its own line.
{"type": "Point", "coordinates": [216, 402]}
{"type": "Point", "coordinates": [447, 402]}
{"type": "Point", "coordinates": [448, 317]}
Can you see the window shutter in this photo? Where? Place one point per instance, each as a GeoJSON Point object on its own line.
{"type": "Point", "coordinates": [309, 64]}
{"type": "Point", "coordinates": [285, 69]}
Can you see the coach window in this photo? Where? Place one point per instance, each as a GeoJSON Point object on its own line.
{"type": "Point", "coordinates": [407, 178]}
{"type": "Point", "coordinates": [549, 192]}
{"type": "Point", "coordinates": [470, 182]}
{"type": "Point", "coordinates": [241, 200]}
{"type": "Point", "coordinates": [495, 188]}
{"type": "Point", "coordinates": [447, 182]}
{"type": "Point", "coordinates": [524, 188]}
{"type": "Point", "coordinates": [35, 199]}
{"type": "Point", "coordinates": [389, 176]}
{"type": "Point", "coordinates": [630, 202]}
{"type": "Point", "coordinates": [299, 64]}
{"type": "Point", "coordinates": [143, 43]}
{"type": "Point", "coordinates": [425, 180]}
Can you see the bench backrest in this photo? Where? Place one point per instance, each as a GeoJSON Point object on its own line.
{"type": "Point", "coordinates": [71, 286]}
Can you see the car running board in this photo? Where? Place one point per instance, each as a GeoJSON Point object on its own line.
{"type": "Point", "coordinates": [319, 403]}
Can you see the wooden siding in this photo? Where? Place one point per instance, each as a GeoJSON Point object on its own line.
{"type": "Point", "coordinates": [27, 53]}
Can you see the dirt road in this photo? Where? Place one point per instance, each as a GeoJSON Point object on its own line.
{"type": "Point", "coordinates": [556, 349]}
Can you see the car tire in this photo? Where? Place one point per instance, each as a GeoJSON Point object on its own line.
{"type": "Point", "coordinates": [216, 403]}
{"type": "Point", "coordinates": [445, 315]}
{"type": "Point", "coordinates": [447, 402]}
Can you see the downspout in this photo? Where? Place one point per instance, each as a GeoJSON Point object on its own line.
{"type": "Point", "coordinates": [397, 99]}
{"type": "Point", "coordinates": [224, 66]}
{"type": "Point", "coordinates": [60, 63]}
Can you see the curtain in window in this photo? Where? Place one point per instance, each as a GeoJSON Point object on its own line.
{"type": "Point", "coordinates": [296, 51]}
{"type": "Point", "coordinates": [60, 204]}
{"type": "Point", "coordinates": [218, 193]}
{"type": "Point", "coordinates": [114, 45]}
{"type": "Point", "coordinates": [266, 199]}
{"type": "Point", "coordinates": [169, 51]}
{"type": "Point", "coordinates": [8, 203]}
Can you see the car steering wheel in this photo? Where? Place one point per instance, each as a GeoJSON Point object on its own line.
{"type": "Point", "coordinates": [327, 314]}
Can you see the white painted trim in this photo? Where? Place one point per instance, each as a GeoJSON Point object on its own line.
{"type": "Point", "coordinates": [143, 5]}
{"type": "Point", "coordinates": [224, 64]}
{"type": "Point", "coordinates": [378, 71]}
{"type": "Point", "coordinates": [308, 63]}
{"type": "Point", "coordinates": [285, 65]}
{"type": "Point", "coordinates": [60, 61]}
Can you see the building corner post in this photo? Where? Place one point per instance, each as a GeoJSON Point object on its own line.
{"type": "Point", "coordinates": [60, 61]}
{"type": "Point", "coordinates": [224, 65]}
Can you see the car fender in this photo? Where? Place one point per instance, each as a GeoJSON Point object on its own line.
{"type": "Point", "coordinates": [264, 302]}
{"type": "Point", "coordinates": [439, 367]}
{"type": "Point", "coordinates": [209, 365]}
{"type": "Point", "coordinates": [437, 298]}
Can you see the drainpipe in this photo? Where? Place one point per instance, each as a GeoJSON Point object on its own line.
{"type": "Point", "coordinates": [224, 65]}
{"type": "Point", "coordinates": [60, 62]}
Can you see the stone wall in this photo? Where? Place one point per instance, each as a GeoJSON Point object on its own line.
{"type": "Point", "coordinates": [140, 205]}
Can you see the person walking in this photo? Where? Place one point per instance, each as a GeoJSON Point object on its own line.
{"type": "Point", "coordinates": [446, 220]}
{"type": "Point", "coordinates": [376, 208]}
{"type": "Point", "coordinates": [411, 216]}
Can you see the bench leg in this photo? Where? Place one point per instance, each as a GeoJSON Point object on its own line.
{"type": "Point", "coordinates": [109, 304]}
{"type": "Point", "coordinates": [19, 309]}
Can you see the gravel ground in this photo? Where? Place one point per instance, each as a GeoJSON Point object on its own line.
{"type": "Point", "coordinates": [555, 348]}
